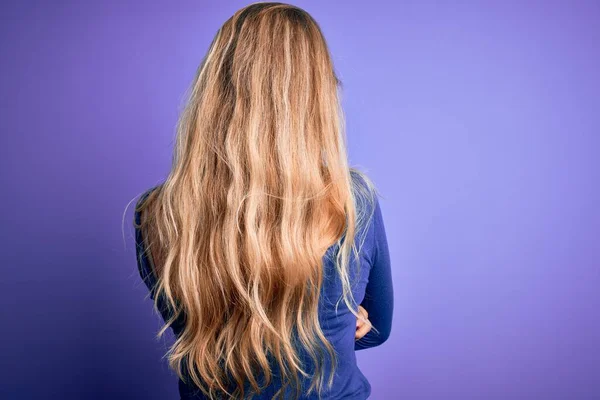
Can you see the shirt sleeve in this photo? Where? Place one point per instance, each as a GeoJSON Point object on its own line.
{"type": "Point", "coordinates": [379, 293]}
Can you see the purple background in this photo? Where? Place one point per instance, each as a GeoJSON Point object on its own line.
{"type": "Point", "coordinates": [479, 122]}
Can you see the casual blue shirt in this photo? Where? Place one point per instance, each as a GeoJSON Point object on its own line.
{"type": "Point", "coordinates": [371, 287]}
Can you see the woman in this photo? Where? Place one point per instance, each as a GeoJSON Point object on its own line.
{"type": "Point", "coordinates": [263, 251]}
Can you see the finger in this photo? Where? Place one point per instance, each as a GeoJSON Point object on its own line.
{"type": "Point", "coordinates": [362, 311]}
{"type": "Point", "coordinates": [359, 323]}
{"type": "Point", "coordinates": [362, 330]}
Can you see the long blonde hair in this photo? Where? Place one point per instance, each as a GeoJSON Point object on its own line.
{"type": "Point", "coordinates": [260, 188]}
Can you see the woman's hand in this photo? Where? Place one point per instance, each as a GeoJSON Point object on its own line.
{"type": "Point", "coordinates": [362, 328]}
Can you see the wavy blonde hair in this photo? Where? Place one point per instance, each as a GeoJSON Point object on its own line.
{"type": "Point", "coordinates": [259, 190]}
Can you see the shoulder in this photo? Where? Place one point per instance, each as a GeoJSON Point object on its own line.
{"type": "Point", "coordinates": [142, 203]}
{"type": "Point", "coordinates": [140, 224]}
{"type": "Point", "coordinates": [363, 187]}
{"type": "Point", "coordinates": [367, 208]}
{"type": "Point", "coordinates": [365, 195]}
{"type": "Point", "coordinates": [144, 196]}
{"type": "Point", "coordinates": [142, 251]}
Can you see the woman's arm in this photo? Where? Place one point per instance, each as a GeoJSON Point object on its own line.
{"type": "Point", "coordinates": [379, 294]}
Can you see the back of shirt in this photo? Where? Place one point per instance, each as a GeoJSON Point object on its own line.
{"type": "Point", "coordinates": [371, 284]}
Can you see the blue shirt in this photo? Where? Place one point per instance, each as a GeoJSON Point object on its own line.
{"type": "Point", "coordinates": [371, 287]}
